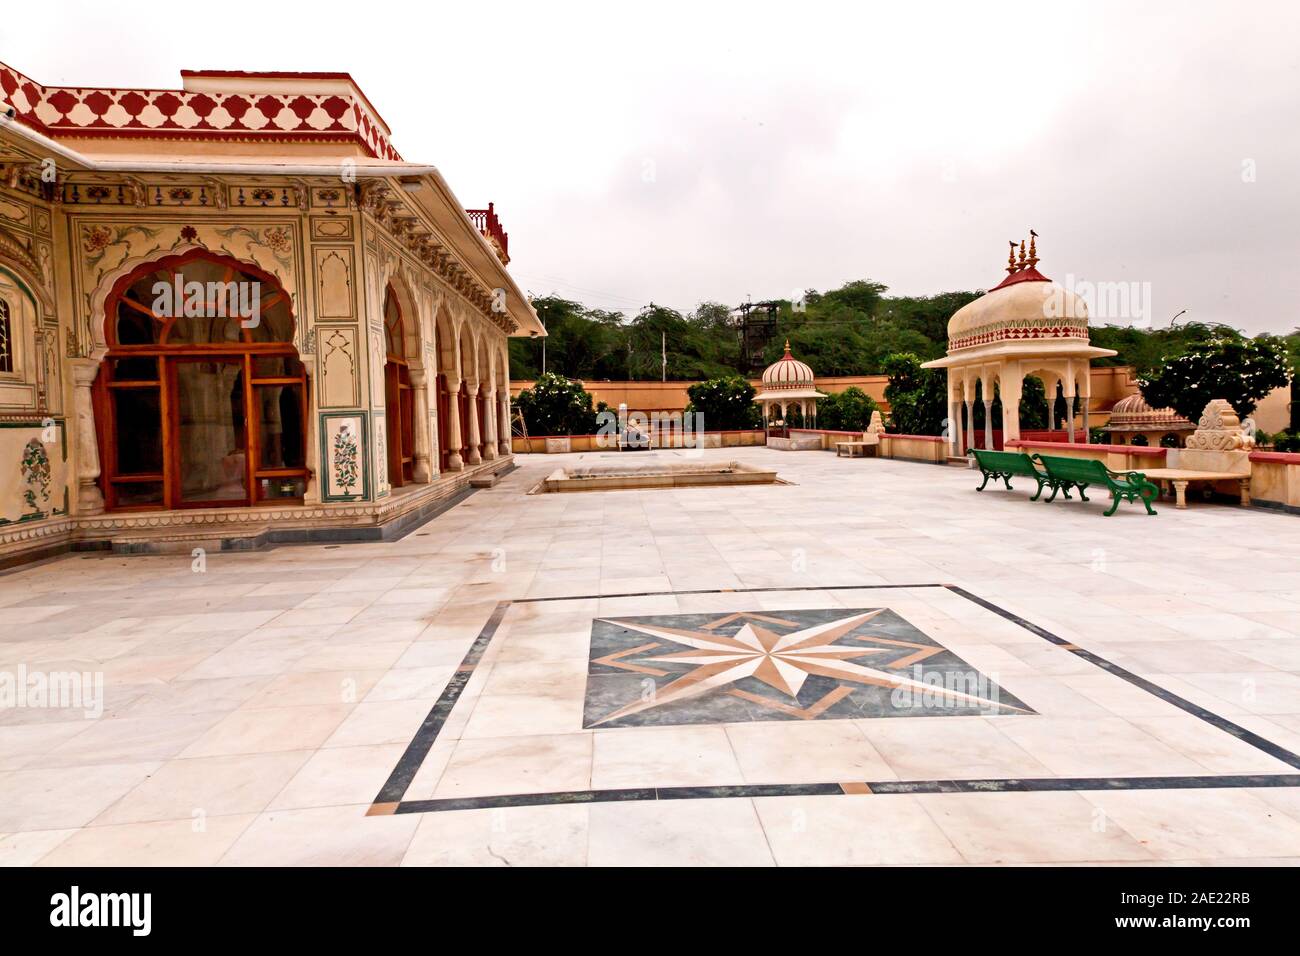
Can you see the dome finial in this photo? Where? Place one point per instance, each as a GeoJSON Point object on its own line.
{"type": "Point", "coordinates": [787, 346]}
{"type": "Point", "coordinates": [1011, 258]}
{"type": "Point", "coordinates": [1033, 250]}
{"type": "Point", "coordinates": [1021, 262]}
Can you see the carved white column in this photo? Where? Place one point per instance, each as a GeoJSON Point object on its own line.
{"type": "Point", "coordinates": [503, 421]}
{"type": "Point", "coordinates": [421, 472]}
{"type": "Point", "coordinates": [490, 425]}
{"type": "Point", "coordinates": [454, 461]}
{"type": "Point", "coordinates": [475, 456]}
{"type": "Point", "coordinates": [90, 501]}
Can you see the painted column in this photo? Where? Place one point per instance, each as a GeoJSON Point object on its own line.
{"type": "Point", "coordinates": [1087, 431]}
{"type": "Point", "coordinates": [988, 424]}
{"type": "Point", "coordinates": [90, 500]}
{"type": "Point", "coordinates": [475, 456]}
{"type": "Point", "coordinates": [421, 472]}
{"type": "Point", "coordinates": [1069, 414]}
{"type": "Point", "coordinates": [969, 423]}
{"type": "Point", "coordinates": [1011, 392]}
{"type": "Point", "coordinates": [490, 425]}
{"type": "Point", "coordinates": [503, 421]}
{"type": "Point", "coordinates": [454, 461]}
{"type": "Point", "coordinates": [954, 420]}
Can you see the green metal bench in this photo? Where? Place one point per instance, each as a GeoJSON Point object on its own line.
{"type": "Point", "coordinates": [1007, 465]}
{"type": "Point", "coordinates": [1078, 473]}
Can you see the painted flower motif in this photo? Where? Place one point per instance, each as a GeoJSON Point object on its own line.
{"type": "Point", "coordinates": [263, 195]}
{"type": "Point", "coordinates": [36, 476]}
{"type": "Point", "coordinates": [189, 233]}
{"type": "Point", "coordinates": [180, 193]}
{"type": "Point", "coordinates": [344, 459]}
{"type": "Point", "coordinates": [98, 193]}
{"type": "Point", "coordinates": [95, 238]}
{"type": "Point", "coordinates": [277, 240]}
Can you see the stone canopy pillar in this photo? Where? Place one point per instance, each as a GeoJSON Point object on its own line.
{"type": "Point", "coordinates": [503, 421]}
{"type": "Point", "coordinates": [90, 500]}
{"type": "Point", "coordinates": [454, 461]}
{"type": "Point", "coordinates": [421, 472]}
{"type": "Point", "coordinates": [489, 425]}
{"type": "Point", "coordinates": [475, 441]}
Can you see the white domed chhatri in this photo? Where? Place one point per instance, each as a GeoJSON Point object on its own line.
{"type": "Point", "coordinates": [1026, 325]}
{"type": "Point", "coordinates": [788, 372]}
{"type": "Point", "coordinates": [788, 384]}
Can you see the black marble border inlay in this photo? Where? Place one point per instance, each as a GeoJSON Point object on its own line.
{"type": "Point", "coordinates": [390, 796]}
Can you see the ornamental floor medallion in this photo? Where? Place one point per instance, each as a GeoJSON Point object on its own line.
{"type": "Point", "coordinates": [832, 663]}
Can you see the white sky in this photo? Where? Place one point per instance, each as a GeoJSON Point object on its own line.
{"type": "Point", "coordinates": [681, 152]}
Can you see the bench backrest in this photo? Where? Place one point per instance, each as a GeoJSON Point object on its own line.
{"type": "Point", "coordinates": [1015, 462]}
{"type": "Point", "coordinates": [1075, 469]}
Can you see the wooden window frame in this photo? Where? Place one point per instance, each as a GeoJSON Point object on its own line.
{"type": "Point", "coordinates": [168, 357]}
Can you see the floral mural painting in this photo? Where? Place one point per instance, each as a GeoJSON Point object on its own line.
{"type": "Point", "coordinates": [97, 240]}
{"type": "Point", "coordinates": [36, 476]}
{"type": "Point", "coordinates": [346, 473]}
{"type": "Point", "coordinates": [276, 239]}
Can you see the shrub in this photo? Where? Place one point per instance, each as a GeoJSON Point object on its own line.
{"type": "Point", "coordinates": [725, 403]}
{"type": "Point", "coordinates": [918, 397]}
{"type": "Point", "coordinates": [556, 405]}
{"type": "Point", "coordinates": [1227, 366]}
{"type": "Point", "coordinates": [848, 411]}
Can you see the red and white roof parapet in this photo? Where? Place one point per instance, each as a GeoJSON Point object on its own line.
{"type": "Point", "coordinates": [214, 105]}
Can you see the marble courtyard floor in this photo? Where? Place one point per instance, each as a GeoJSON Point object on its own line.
{"type": "Point", "coordinates": [873, 664]}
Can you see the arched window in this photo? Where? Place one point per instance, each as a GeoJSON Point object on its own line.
{"type": "Point", "coordinates": [397, 394]}
{"type": "Point", "coordinates": [201, 399]}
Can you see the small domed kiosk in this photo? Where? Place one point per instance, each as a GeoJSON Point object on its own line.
{"type": "Point", "coordinates": [788, 384]}
{"type": "Point", "coordinates": [1134, 422]}
{"type": "Point", "coordinates": [1026, 325]}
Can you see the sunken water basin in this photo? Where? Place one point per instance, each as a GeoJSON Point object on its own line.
{"type": "Point", "coordinates": [654, 475]}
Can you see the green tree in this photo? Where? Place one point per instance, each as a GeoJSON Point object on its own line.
{"type": "Point", "coordinates": [724, 403]}
{"type": "Point", "coordinates": [849, 410]}
{"type": "Point", "coordinates": [918, 397]}
{"type": "Point", "coordinates": [556, 405]}
{"type": "Point", "coordinates": [1228, 365]}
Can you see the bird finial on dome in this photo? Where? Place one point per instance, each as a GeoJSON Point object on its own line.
{"type": "Point", "coordinates": [1011, 258]}
{"type": "Point", "coordinates": [1033, 250]}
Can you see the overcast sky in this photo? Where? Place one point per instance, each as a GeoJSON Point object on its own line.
{"type": "Point", "coordinates": [678, 153]}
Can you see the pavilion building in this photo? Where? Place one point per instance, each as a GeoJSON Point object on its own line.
{"type": "Point", "coordinates": [231, 313]}
{"type": "Point", "coordinates": [788, 385]}
{"type": "Point", "coordinates": [1025, 326]}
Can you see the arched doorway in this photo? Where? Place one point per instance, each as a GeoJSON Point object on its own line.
{"type": "Point", "coordinates": [201, 396]}
{"type": "Point", "coordinates": [397, 395]}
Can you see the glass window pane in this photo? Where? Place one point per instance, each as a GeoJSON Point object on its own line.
{"type": "Point", "coordinates": [134, 327]}
{"type": "Point", "coordinates": [276, 366]}
{"type": "Point", "coordinates": [203, 329]}
{"type": "Point", "coordinates": [136, 493]}
{"type": "Point", "coordinates": [137, 413]}
{"type": "Point", "coordinates": [281, 432]}
{"type": "Point", "coordinates": [135, 370]}
{"type": "Point", "coordinates": [274, 323]}
{"type": "Point", "coordinates": [213, 457]}
{"type": "Point", "coordinates": [269, 489]}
